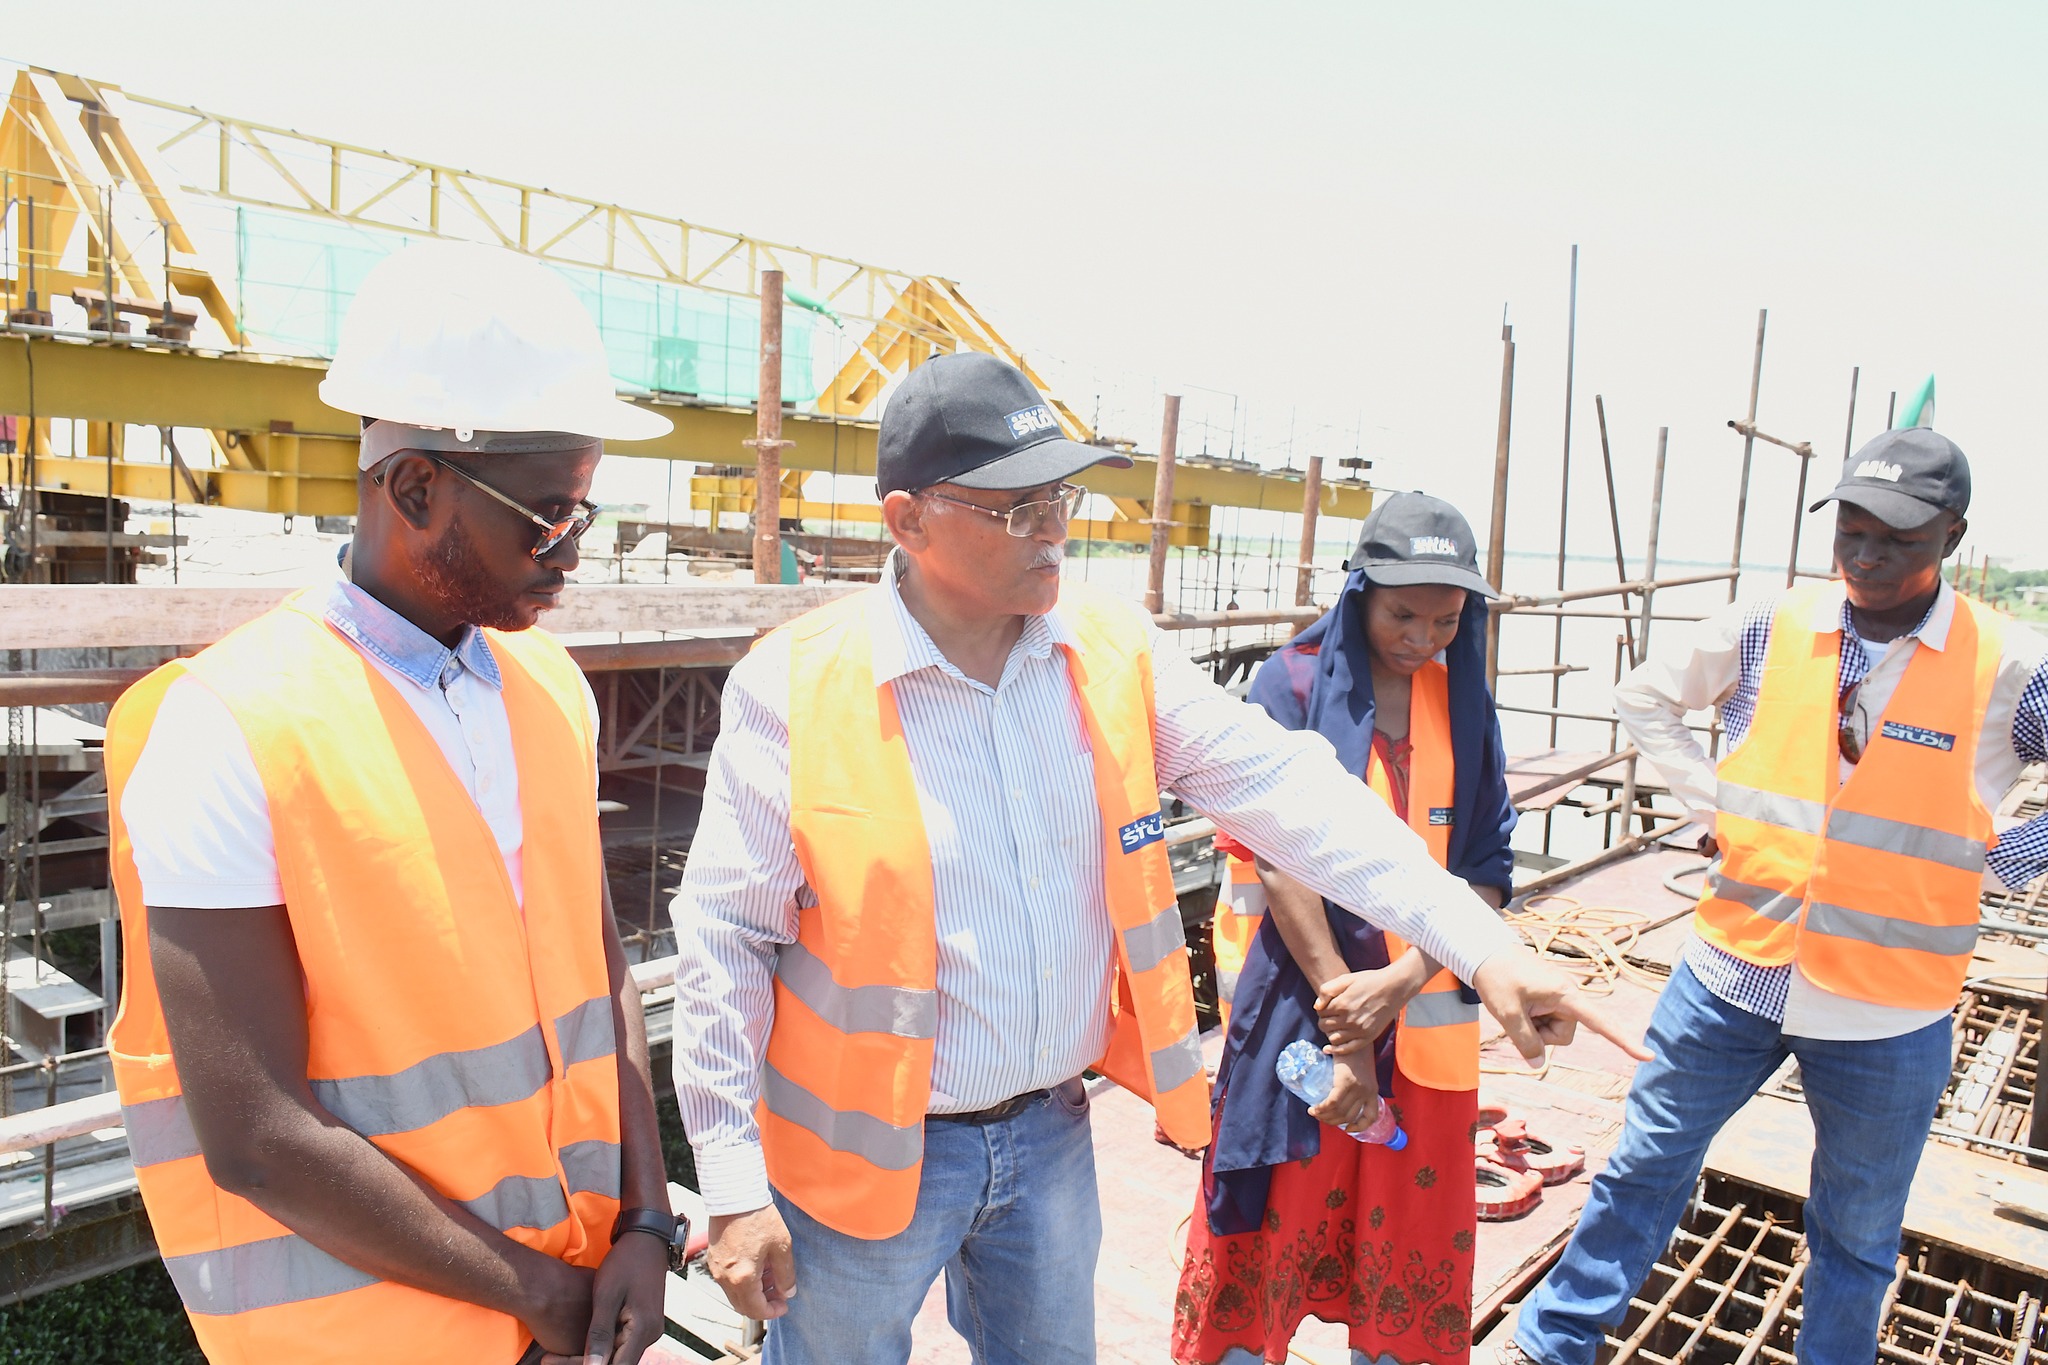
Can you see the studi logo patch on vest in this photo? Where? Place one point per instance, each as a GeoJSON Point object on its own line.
{"type": "Point", "coordinates": [1919, 734]}
{"type": "Point", "coordinates": [1443, 815]}
{"type": "Point", "coordinates": [1146, 829]}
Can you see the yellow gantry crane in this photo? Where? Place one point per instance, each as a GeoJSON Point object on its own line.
{"type": "Point", "coordinates": [212, 257]}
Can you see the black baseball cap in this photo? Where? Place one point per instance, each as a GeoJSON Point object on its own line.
{"type": "Point", "coordinates": [1413, 538]}
{"type": "Point", "coordinates": [976, 421]}
{"type": "Point", "coordinates": [1904, 478]}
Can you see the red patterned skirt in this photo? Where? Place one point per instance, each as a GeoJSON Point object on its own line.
{"type": "Point", "coordinates": [1378, 1240]}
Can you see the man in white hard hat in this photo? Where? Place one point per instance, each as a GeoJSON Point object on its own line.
{"type": "Point", "coordinates": [381, 1062]}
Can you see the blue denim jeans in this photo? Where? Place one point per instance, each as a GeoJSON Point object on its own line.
{"type": "Point", "coordinates": [1872, 1103]}
{"type": "Point", "coordinates": [1008, 1210]}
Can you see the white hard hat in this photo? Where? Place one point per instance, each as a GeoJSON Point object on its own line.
{"type": "Point", "coordinates": [464, 337]}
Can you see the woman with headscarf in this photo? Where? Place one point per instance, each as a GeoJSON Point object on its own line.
{"type": "Point", "coordinates": [1296, 1218]}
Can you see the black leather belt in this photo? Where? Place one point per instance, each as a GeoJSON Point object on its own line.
{"type": "Point", "coordinates": [995, 1113]}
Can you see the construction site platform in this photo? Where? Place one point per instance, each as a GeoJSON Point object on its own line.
{"type": "Point", "coordinates": [1974, 1219]}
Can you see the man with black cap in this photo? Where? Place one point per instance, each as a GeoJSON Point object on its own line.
{"type": "Point", "coordinates": [929, 890]}
{"type": "Point", "coordinates": [1872, 726]}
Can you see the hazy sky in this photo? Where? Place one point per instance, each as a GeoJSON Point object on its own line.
{"type": "Point", "coordinates": [1318, 209]}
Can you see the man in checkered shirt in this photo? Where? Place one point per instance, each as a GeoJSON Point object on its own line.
{"type": "Point", "coordinates": [1873, 1062]}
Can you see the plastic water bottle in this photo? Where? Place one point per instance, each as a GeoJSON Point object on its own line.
{"type": "Point", "coordinates": [1309, 1073]}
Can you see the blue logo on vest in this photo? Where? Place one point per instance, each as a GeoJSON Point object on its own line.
{"type": "Point", "coordinates": [1917, 734]}
{"type": "Point", "coordinates": [1032, 421]}
{"type": "Point", "coordinates": [1146, 829]}
{"type": "Point", "coordinates": [1442, 815]}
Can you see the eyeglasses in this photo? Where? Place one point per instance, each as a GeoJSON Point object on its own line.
{"type": "Point", "coordinates": [1026, 518]}
{"type": "Point", "coordinates": [554, 530]}
{"type": "Point", "coordinates": [1846, 733]}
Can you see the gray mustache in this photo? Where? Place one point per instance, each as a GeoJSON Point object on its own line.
{"type": "Point", "coordinates": [1049, 557]}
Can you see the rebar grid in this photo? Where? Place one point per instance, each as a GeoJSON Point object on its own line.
{"type": "Point", "coordinates": [1727, 1288]}
{"type": "Point", "coordinates": [1932, 1319]}
{"type": "Point", "coordinates": [1995, 1071]}
{"type": "Point", "coordinates": [1728, 1292]}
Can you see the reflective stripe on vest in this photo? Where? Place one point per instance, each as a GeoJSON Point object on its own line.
{"type": "Point", "coordinates": [483, 1066]}
{"type": "Point", "coordinates": [1437, 1041]}
{"type": "Point", "coordinates": [1871, 884]}
{"type": "Point", "coordinates": [893, 1147]}
{"type": "Point", "coordinates": [900, 1010]}
{"type": "Point", "coordinates": [847, 1077]}
{"type": "Point", "coordinates": [1151, 943]}
{"type": "Point", "coordinates": [1246, 892]}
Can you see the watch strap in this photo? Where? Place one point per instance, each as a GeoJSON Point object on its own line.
{"type": "Point", "coordinates": [662, 1225]}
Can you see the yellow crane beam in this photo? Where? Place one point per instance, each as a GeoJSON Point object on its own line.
{"type": "Point", "coordinates": [270, 412]}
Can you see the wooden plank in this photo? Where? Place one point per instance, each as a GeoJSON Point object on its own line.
{"type": "Point", "coordinates": [34, 616]}
{"type": "Point", "coordinates": [1955, 1197]}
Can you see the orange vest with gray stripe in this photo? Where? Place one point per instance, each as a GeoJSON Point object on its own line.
{"type": "Point", "coordinates": [847, 1079]}
{"type": "Point", "coordinates": [1437, 1044]}
{"type": "Point", "coordinates": [470, 1043]}
{"type": "Point", "coordinates": [1239, 913]}
{"type": "Point", "coordinates": [1870, 885]}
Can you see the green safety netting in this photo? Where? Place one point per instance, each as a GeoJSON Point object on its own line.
{"type": "Point", "coordinates": [295, 277]}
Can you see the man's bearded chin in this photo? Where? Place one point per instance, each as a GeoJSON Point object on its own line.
{"type": "Point", "coordinates": [453, 575]}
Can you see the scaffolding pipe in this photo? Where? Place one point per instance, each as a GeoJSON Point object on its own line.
{"type": "Point", "coordinates": [1650, 583]}
{"type": "Point", "coordinates": [1635, 585]}
{"type": "Point", "coordinates": [1614, 515]}
{"type": "Point", "coordinates": [1162, 506]}
{"type": "Point", "coordinates": [1564, 486]}
{"type": "Point", "coordinates": [1798, 516]}
{"type": "Point", "coordinates": [1497, 533]}
{"type": "Point", "coordinates": [768, 443]}
{"type": "Point", "coordinates": [1756, 379]}
{"type": "Point", "coordinates": [1311, 505]}
{"type": "Point", "coordinates": [1628, 775]}
{"type": "Point", "coordinates": [1849, 432]}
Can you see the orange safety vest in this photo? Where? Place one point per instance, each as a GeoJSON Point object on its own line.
{"type": "Point", "coordinates": [1437, 1044]}
{"type": "Point", "coordinates": [1872, 884]}
{"type": "Point", "coordinates": [1238, 914]}
{"type": "Point", "coordinates": [471, 1043]}
{"type": "Point", "coordinates": [847, 1077]}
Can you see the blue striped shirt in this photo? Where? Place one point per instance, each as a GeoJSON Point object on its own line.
{"type": "Point", "coordinates": [1005, 783]}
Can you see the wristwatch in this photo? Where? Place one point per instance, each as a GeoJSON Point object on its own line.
{"type": "Point", "coordinates": [672, 1228]}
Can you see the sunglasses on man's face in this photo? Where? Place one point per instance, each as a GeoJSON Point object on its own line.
{"type": "Point", "coordinates": [1846, 733]}
{"type": "Point", "coordinates": [553, 530]}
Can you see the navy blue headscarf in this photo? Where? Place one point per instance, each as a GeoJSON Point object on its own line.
{"type": "Point", "coordinates": [1322, 681]}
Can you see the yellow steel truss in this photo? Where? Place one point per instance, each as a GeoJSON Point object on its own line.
{"type": "Point", "coordinates": [67, 141]}
{"type": "Point", "coordinates": [255, 403]}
